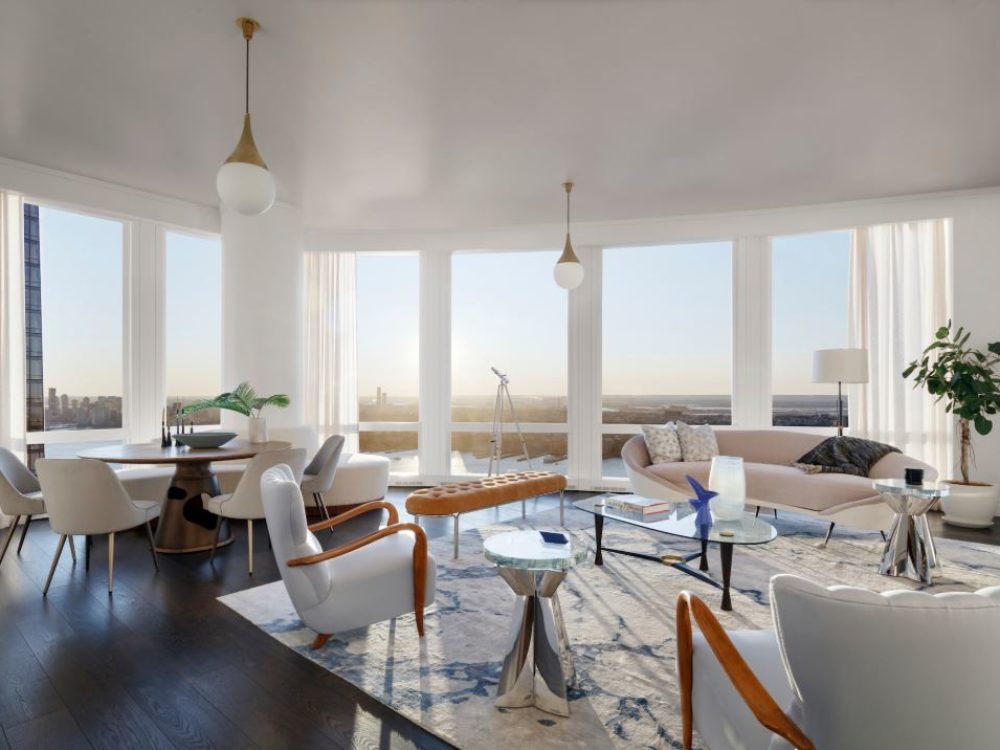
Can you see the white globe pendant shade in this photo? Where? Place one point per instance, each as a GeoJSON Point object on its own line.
{"type": "Point", "coordinates": [246, 188]}
{"type": "Point", "coordinates": [568, 274]}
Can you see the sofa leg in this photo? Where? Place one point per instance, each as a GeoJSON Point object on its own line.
{"type": "Point", "coordinates": [829, 533]}
{"type": "Point", "coordinates": [757, 512]}
{"type": "Point", "coordinates": [319, 640]}
{"type": "Point", "coordinates": [884, 537]}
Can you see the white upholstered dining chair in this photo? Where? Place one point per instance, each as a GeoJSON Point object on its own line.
{"type": "Point", "coordinates": [319, 474]}
{"type": "Point", "coordinates": [844, 669]}
{"type": "Point", "coordinates": [86, 497]}
{"type": "Point", "coordinates": [383, 575]}
{"type": "Point", "coordinates": [245, 503]}
{"type": "Point", "coordinates": [20, 497]}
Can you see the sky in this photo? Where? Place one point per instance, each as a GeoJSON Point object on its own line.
{"type": "Point", "coordinates": [667, 315]}
{"type": "Point", "coordinates": [82, 298]}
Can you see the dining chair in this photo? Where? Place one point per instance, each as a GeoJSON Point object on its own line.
{"type": "Point", "coordinates": [385, 574]}
{"type": "Point", "coordinates": [245, 503]}
{"type": "Point", "coordinates": [319, 474]}
{"type": "Point", "coordinates": [20, 497]}
{"type": "Point", "coordinates": [86, 497]}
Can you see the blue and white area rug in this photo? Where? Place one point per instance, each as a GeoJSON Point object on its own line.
{"type": "Point", "coordinates": [620, 620]}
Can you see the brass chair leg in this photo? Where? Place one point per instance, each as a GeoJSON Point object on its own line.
{"type": "Point", "coordinates": [55, 563]}
{"type": "Point", "coordinates": [24, 532]}
{"type": "Point", "coordinates": [111, 563]}
{"type": "Point", "coordinates": [72, 548]}
{"type": "Point", "coordinates": [9, 537]}
{"type": "Point", "coordinates": [152, 546]}
{"type": "Point", "coordinates": [250, 546]}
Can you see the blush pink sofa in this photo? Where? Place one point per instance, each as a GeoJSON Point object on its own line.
{"type": "Point", "coordinates": [771, 482]}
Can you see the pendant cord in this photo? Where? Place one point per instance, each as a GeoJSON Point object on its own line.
{"type": "Point", "coordinates": [246, 108]}
{"type": "Point", "coordinates": [567, 212]}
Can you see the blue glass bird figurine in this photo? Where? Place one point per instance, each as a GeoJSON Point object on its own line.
{"type": "Point", "coordinates": [700, 503]}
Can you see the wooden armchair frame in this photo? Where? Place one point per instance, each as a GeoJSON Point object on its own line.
{"type": "Point", "coordinates": [394, 527]}
{"type": "Point", "coordinates": [753, 693]}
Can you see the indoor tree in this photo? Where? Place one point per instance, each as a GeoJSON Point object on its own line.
{"type": "Point", "coordinates": [966, 379]}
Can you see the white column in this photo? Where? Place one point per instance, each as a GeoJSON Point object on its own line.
{"type": "Point", "coordinates": [435, 364]}
{"type": "Point", "coordinates": [584, 387]}
{"type": "Point", "coordinates": [262, 308]}
{"type": "Point", "coordinates": [752, 332]}
{"type": "Point", "coordinates": [144, 362]}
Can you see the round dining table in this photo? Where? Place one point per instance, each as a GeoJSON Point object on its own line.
{"type": "Point", "coordinates": [184, 524]}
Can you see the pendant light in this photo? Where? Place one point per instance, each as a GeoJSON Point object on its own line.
{"type": "Point", "coordinates": [244, 182]}
{"type": "Point", "coordinates": [568, 271]}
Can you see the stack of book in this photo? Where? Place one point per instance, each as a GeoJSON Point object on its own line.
{"type": "Point", "coordinates": [645, 506]}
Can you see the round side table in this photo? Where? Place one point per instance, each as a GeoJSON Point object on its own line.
{"type": "Point", "coordinates": [909, 549]}
{"type": "Point", "coordinates": [538, 666]}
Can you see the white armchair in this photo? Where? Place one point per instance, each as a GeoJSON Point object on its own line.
{"type": "Point", "coordinates": [846, 669]}
{"type": "Point", "coordinates": [383, 575]}
{"type": "Point", "coordinates": [245, 501]}
{"type": "Point", "coordinates": [86, 497]}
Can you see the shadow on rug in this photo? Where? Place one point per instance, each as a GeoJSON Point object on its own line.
{"type": "Point", "coordinates": [620, 619]}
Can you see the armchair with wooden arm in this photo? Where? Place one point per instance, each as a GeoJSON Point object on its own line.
{"type": "Point", "coordinates": [379, 576]}
{"type": "Point", "coordinates": [742, 678]}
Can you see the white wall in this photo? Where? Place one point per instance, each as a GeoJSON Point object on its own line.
{"type": "Point", "coordinates": [262, 313]}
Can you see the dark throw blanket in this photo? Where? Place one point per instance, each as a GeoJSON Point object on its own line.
{"type": "Point", "coordinates": [844, 455]}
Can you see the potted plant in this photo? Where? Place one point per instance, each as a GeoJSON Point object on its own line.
{"type": "Point", "coordinates": [965, 378]}
{"type": "Point", "coordinates": [244, 400]}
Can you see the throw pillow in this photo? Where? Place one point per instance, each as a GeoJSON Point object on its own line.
{"type": "Point", "coordinates": [844, 455]}
{"type": "Point", "coordinates": [662, 443]}
{"type": "Point", "coordinates": [698, 442]}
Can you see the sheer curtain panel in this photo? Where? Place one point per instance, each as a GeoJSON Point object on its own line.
{"type": "Point", "coordinates": [900, 293]}
{"type": "Point", "coordinates": [331, 359]}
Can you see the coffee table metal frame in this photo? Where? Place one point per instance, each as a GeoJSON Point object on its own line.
{"type": "Point", "coordinates": [680, 562]}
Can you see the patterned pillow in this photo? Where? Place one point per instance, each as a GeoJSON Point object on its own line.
{"type": "Point", "coordinates": [662, 443]}
{"type": "Point", "coordinates": [698, 442]}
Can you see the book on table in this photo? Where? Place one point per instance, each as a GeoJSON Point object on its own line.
{"type": "Point", "coordinates": [646, 506]}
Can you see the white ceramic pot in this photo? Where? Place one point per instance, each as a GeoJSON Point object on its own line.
{"type": "Point", "coordinates": [257, 429]}
{"type": "Point", "coordinates": [728, 479]}
{"type": "Point", "coordinates": [970, 505]}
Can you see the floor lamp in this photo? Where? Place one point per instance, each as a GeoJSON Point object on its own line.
{"type": "Point", "coordinates": [840, 366]}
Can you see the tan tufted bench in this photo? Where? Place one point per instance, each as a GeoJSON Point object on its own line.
{"type": "Point", "coordinates": [464, 497]}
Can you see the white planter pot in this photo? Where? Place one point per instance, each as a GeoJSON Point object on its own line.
{"type": "Point", "coordinates": [257, 429]}
{"type": "Point", "coordinates": [970, 505]}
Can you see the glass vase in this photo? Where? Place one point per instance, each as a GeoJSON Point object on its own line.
{"type": "Point", "coordinates": [727, 478]}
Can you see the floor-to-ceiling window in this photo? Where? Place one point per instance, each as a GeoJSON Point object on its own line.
{"type": "Point", "coordinates": [388, 324]}
{"type": "Point", "coordinates": [193, 306]}
{"type": "Point", "coordinates": [809, 297]}
{"type": "Point", "coordinates": [73, 264]}
{"type": "Point", "coordinates": [666, 340]}
{"type": "Point", "coordinates": [507, 313]}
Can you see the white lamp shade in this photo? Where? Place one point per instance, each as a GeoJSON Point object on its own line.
{"type": "Point", "coordinates": [246, 188]}
{"type": "Point", "coordinates": [568, 275]}
{"type": "Point", "coordinates": [840, 366]}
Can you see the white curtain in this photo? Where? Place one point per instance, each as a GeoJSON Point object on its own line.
{"type": "Point", "coordinates": [900, 293]}
{"type": "Point", "coordinates": [331, 358]}
{"type": "Point", "coordinates": [11, 326]}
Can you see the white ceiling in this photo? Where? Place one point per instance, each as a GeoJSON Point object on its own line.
{"type": "Point", "coordinates": [379, 114]}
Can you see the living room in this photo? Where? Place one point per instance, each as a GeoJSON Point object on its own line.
{"type": "Point", "coordinates": [456, 374]}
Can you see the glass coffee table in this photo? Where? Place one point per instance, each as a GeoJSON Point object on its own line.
{"type": "Point", "coordinates": [681, 522]}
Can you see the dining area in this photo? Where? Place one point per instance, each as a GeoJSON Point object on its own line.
{"type": "Point", "coordinates": [182, 500]}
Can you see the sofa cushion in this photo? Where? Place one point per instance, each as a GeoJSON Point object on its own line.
{"type": "Point", "coordinates": [698, 442]}
{"type": "Point", "coordinates": [844, 455]}
{"type": "Point", "coordinates": [780, 485]}
{"type": "Point", "coordinates": [662, 442]}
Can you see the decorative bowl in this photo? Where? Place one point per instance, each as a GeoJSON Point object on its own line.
{"type": "Point", "coordinates": [205, 439]}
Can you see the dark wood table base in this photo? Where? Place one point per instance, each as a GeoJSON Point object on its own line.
{"type": "Point", "coordinates": [680, 562]}
{"type": "Point", "coordinates": [184, 524]}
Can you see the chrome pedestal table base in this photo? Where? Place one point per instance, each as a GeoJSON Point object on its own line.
{"type": "Point", "coordinates": [538, 668]}
{"type": "Point", "coordinates": [909, 549]}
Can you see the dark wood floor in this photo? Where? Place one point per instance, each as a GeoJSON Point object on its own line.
{"type": "Point", "coordinates": [162, 664]}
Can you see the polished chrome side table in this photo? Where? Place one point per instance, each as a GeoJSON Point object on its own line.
{"type": "Point", "coordinates": [538, 667]}
{"type": "Point", "coordinates": [909, 549]}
